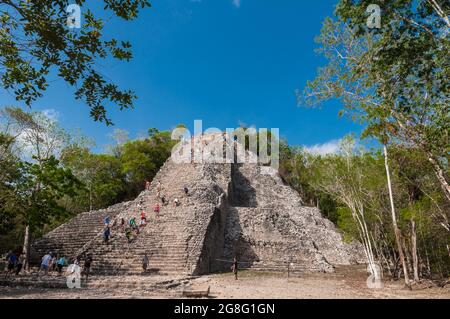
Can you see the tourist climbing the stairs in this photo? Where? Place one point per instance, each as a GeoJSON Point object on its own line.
{"type": "Point", "coordinates": [157, 208]}
{"type": "Point", "coordinates": [128, 234]}
{"type": "Point", "coordinates": [158, 190]}
{"type": "Point", "coordinates": [45, 263]}
{"type": "Point", "coordinates": [143, 221]}
{"type": "Point", "coordinates": [87, 266]}
{"type": "Point", "coordinates": [106, 221]}
{"type": "Point", "coordinates": [147, 185]}
{"type": "Point", "coordinates": [176, 201]}
{"type": "Point", "coordinates": [132, 223]}
{"type": "Point", "coordinates": [186, 191]}
{"type": "Point", "coordinates": [106, 235]}
{"type": "Point", "coordinates": [60, 264]}
{"type": "Point", "coordinates": [164, 201]}
{"type": "Point", "coordinates": [145, 262]}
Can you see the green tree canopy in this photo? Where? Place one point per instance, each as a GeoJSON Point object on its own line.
{"type": "Point", "coordinates": [141, 159]}
{"type": "Point", "coordinates": [395, 79]}
{"type": "Point", "coordinates": [35, 42]}
{"type": "Point", "coordinates": [101, 174]}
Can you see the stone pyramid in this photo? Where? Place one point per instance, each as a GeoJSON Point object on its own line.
{"type": "Point", "coordinates": [231, 210]}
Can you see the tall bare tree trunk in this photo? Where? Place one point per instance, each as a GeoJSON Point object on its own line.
{"type": "Point", "coordinates": [26, 248]}
{"type": "Point", "coordinates": [428, 264]}
{"type": "Point", "coordinates": [27, 241]}
{"type": "Point", "coordinates": [408, 258]}
{"type": "Point", "coordinates": [398, 236]}
{"type": "Point", "coordinates": [414, 251]}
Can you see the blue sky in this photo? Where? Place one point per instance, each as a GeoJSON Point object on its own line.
{"type": "Point", "coordinates": [225, 62]}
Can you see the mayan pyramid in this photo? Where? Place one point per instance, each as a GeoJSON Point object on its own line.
{"type": "Point", "coordinates": [232, 210]}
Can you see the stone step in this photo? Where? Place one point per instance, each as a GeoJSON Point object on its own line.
{"type": "Point", "coordinates": [115, 258]}
{"type": "Point", "coordinates": [138, 270]}
{"type": "Point", "coordinates": [138, 265]}
{"type": "Point", "coordinates": [139, 252]}
{"type": "Point", "coordinates": [115, 254]}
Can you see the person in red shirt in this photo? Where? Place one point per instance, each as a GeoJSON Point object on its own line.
{"type": "Point", "coordinates": [143, 219]}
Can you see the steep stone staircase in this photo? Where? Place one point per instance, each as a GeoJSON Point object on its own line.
{"type": "Point", "coordinates": [164, 238]}
{"type": "Point", "coordinates": [70, 237]}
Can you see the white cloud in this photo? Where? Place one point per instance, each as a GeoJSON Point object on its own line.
{"type": "Point", "coordinates": [330, 147]}
{"type": "Point", "coordinates": [51, 114]}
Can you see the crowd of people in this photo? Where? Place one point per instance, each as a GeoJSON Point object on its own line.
{"type": "Point", "coordinates": [131, 228]}
{"type": "Point", "coordinates": [52, 262]}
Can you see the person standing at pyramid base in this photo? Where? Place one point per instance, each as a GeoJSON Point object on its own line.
{"type": "Point", "coordinates": [234, 268]}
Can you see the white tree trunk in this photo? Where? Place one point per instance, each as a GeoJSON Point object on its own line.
{"type": "Point", "coordinates": [414, 251]}
{"type": "Point", "coordinates": [398, 237]}
{"type": "Point", "coordinates": [26, 248]}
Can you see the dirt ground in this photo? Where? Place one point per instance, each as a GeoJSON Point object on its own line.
{"type": "Point", "coordinates": [318, 286]}
{"type": "Point", "coordinates": [250, 285]}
